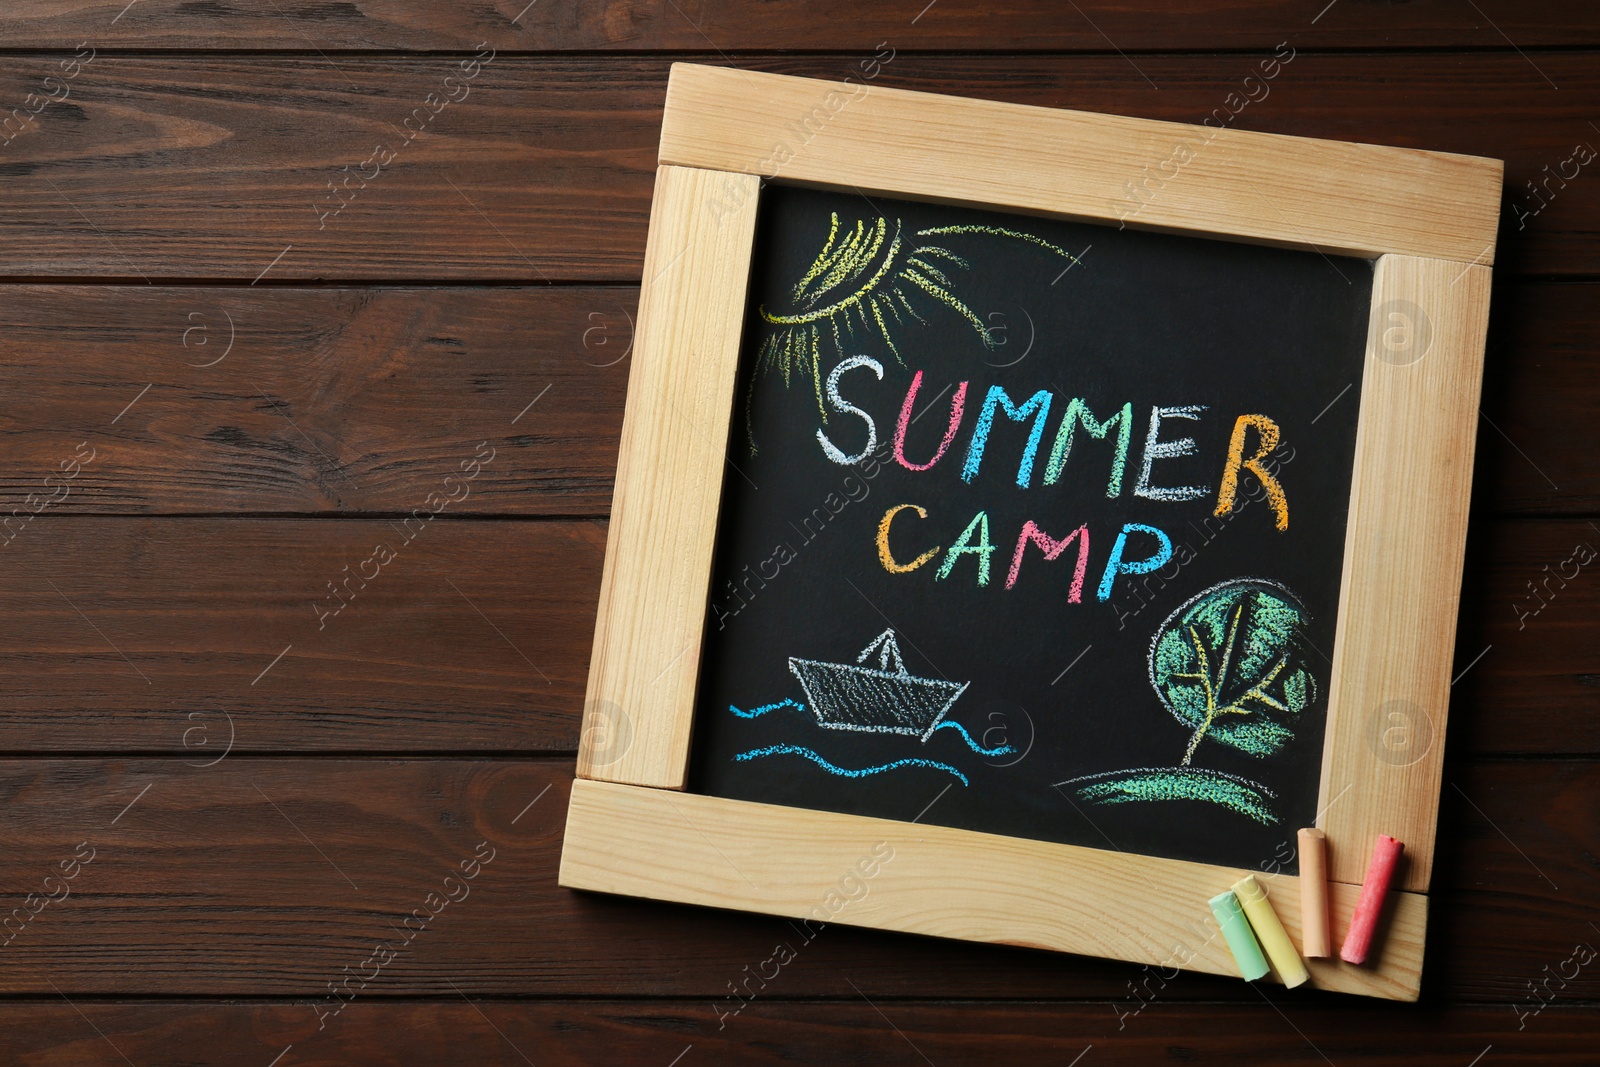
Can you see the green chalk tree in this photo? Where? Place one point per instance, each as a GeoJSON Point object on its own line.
{"type": "Point", "coordinates": [1229, 666]}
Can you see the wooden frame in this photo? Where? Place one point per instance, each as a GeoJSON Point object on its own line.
{"type": "Point", "coordinates": [1429, 220]}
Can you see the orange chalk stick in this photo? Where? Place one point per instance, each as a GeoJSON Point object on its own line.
{"type": "Point", "coordinates": [1380, 871]}
{"type": "Point", "coordinates": [1314, 895]}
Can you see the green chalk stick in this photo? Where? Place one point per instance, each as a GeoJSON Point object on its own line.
{"type": "Point", "coordinates": [1241, 942]}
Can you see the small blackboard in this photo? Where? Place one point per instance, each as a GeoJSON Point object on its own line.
{"type": "Point", "coordinates": [1124, 547]}
{"type": "Point", "coordinates": [1032, 528]}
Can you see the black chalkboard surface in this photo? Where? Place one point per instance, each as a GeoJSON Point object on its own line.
{"type": "Point", "coordinates": [1032, 528]}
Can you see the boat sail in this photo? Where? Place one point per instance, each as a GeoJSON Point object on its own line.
{"type": "Point", "coordinates": [887, 699]}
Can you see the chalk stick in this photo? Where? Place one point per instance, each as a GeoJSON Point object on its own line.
{"type": "Point", "coordinates": [1236, 931]}
{"type": "Point", "coordinates": [1380, 870]}
{"type": "Point", "coordinates": [1269, 931]}
{"type": "Point", "coordinates": [1314, 894]}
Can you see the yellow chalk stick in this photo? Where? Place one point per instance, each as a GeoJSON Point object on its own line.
{"type": "Point", "coordinates": [1269, 931]}
{"type": "Point", "coordinates": [1314, 940]}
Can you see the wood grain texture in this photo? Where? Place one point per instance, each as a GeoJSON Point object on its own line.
{"type": "Point", "coordinates": [203, 888]}
{"type": "Point", "coordinates": [639, 707]}
{"type": "Point", "coordinates": [644, 25]}
{"type": "Point", "coordinates": [184, 174]}
{"type": "Point", "coordinates": [1541, 363]}
{"type": "Point", "coordinates": [1399, 597]}
{"type": "Point", "coordinates": [539, 172]}
{"type": "Point", "coordinates": [312, 400]}
{"type": "Point", "coordinates": [926, 879]}
{"type": "Point", "coordinates": [202, 605]}
{"type": "Point", "coordinates": [869, 1028]}
{"type": "Point", "coordinates": [121, 633]}
{"type": "Point", "coordinates": [1358, 200]}
{"type": "Point", "coordinates": [1530, 613]}
{"type": "Point", "coordinates": [386, 386]}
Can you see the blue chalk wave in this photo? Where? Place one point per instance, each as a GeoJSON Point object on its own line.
{"type": "Point", "coordinates": [951, 724]}
{"type": "Point", "coordinates": [756, 713]}
{"type": "Point", "coordinates": [948, 724]}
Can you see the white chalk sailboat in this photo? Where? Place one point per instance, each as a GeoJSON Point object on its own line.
{"type": "Point", "coordinates": [885, 700]}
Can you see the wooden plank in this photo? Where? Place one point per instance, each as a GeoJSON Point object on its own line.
{"type": "Point", "coordinates": [1405, 541]}
{"type": "Point", "coordinates": [201, 605]}
{"type": "Point", "coordinates": [390, 385]}
{"type": "Point", "coordinates": [261, 913]}
{"type": "Point", "coordinates": [1527, 664]}
{"type": "Point", "coordinates": [213, 174]}
{"type": "Point", "coordinates": [872, 1027]}
{"type": "Point", "coordinates": [361, 25]}
{"type": "Point", "coordinates": [312, 400]}
{"type": "Point", "coordinates": [639, 708]}
{"type": "Point", "coordinates": [1335, 197]}
{"type": "Point", "coordinates": [126, 633]}
{"type": "Point", "coordinates": [539, 172]}
{"type": "Point", "coordinates": [1541, 361]}
{"type": "Point", "coordinates": [926, 879]}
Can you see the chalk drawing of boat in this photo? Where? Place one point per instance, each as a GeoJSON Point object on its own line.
{"type": "Point", "coordinates": [885, 700]}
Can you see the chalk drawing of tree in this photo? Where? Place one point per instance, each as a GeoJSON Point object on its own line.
{"type": "Point", "coordinates": [1229, 666]}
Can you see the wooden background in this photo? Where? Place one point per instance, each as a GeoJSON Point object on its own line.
{"type": "Point", "coordinates": [480, 289]}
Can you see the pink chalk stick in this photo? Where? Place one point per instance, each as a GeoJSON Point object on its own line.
{"type": "Point", "coordinates": [1380, 871]}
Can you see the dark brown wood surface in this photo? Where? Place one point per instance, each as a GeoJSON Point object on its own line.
{"type": "Point", "coordinates": [861, 1027]}
{"type": "Point", "coordinates": [266, 876]}
{"type": "Point", "coordinates": [648, 25]}
{"type": "Point", "coordinates": [268, 788]}
{"type": "Point", "coordinates": [351, 400]}
{"type": "Point", "coordinates": [543, 172]}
